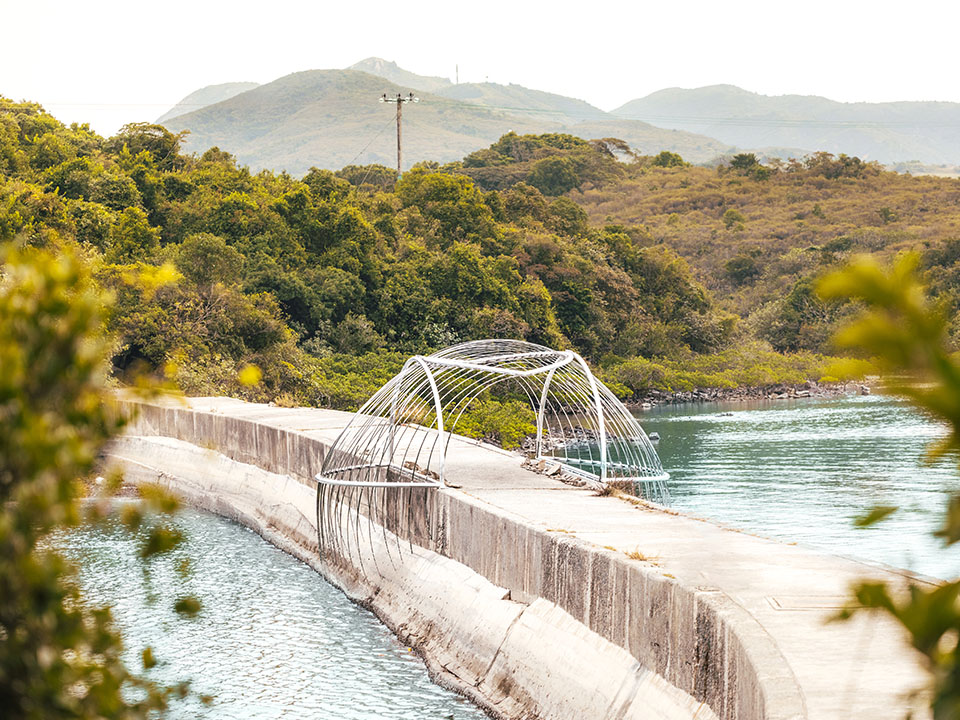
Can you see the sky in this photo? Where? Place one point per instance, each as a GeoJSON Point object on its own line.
{"type": "Point", "coordinates": [108, 62]}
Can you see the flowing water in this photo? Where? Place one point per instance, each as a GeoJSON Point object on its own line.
{"type": "Point", "coordinates": [801, 470]}
{"type": "Point", "coordinates": [273, 640]}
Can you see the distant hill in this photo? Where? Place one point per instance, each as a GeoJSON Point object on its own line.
{"type": "Point", "coordinates": [209, 95]}
{"type": "Point", "coordinates": [887, 132]}
{"type": "Point", "coordinates": [331, 118]}
{"type": "Point", "coordinates": [398, 76]}
{"type": "Point", "coordinates": [513, 99]}
{"type": "Point", "coordinates": [519, 100]}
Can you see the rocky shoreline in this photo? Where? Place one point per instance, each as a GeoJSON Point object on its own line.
{"type": "Point", "coordinates": [808, 389]}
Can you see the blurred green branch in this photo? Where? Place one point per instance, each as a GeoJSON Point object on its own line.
{"type": "Point", "coordinates": [59, 657]}
{"type": "Point", "coordinates": [908, 335]}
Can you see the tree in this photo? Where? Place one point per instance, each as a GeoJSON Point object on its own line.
{"type": "Point", "coordinates": [801, 320]}
{"type": "Point", "coordinates": [376, 176]}
{"type": "Point", "coordinates": [206, 259]}
{"type": "Point", "coordinates": [749, 164]}
{"type": "Point", "coordinates": [733, 219]}
{"type": "Point", "coordinates": [744, 162]}
{"type": "Point", "coordinates": [743, 267]}
{"type": "Point", "coordinates": [668, 159]}
{"type": "Point", "coordinates": [452, 200]}
{"type": "Point", "coordinates": [163, 145]}
{"type": "Point", "coordinates": [554, 175]}
{"type": "Point", "coordinates": [132, 237]}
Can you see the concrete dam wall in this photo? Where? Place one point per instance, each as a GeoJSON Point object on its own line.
{"type": "Point", "coordinates": [519, 592]}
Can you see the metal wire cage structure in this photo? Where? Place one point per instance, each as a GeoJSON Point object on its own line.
{"type": "Point", "coordinates": [394, 450]}
{"type": "Point", "coordinates": [401, 435]}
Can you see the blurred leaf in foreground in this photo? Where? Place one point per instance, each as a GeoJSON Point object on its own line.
{"type": "Point", "coordinates": [907, 334]}
{"type": "Point", "coordinates": [874, 516]}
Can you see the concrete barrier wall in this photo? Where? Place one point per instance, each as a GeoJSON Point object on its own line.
{"type": "Point", "coordinates": [700, 641]}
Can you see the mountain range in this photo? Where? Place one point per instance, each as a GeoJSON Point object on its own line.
{"type": "Point", "coordinates": [887, 132]}
{"type": "Point", "coordinates": [331, 118]}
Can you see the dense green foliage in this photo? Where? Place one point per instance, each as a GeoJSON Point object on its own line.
{"type": "Point", "coordinates": [59, 658]}
{"type": "Point", "coordinates": [665, 275]}
{"type": "Point", "coordinates": [504, 422]}
{"type": "Point", "coordinates": [748, 364]}
{"type": "Point", "coordinates": [553, 163]}
{"type": "Point", "coordinates": [214, 268]}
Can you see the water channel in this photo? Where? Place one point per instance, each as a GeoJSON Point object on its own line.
{"type": "Point", "coordinates": [801, 470]}
{"type": "Point", "coordinates": [274, 640]}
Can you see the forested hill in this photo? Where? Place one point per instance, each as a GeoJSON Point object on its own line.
{"type": "Point", "coordinates": [331, 118]}
{"type": "Point", "coordinates": [328, 281]}
{"type": "Point", "coordinates": [759, 235]}
{"type": "Point", "coordinates": [886, 132]}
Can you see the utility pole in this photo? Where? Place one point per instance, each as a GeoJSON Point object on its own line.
{"type": "Point", "coordinates": [399, 100]}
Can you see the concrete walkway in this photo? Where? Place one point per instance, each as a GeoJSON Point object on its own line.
{"type": "Point", "coordinates": [857, 669]}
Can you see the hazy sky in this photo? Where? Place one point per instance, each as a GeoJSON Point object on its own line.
{"type": "Point", "coordinates": [109, 62]}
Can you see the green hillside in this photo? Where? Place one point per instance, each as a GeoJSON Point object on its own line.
{"type": "Point", "coordinates": [327, 118]}
{"type": "Point", "coordinates": [886, 132]}
{"type": "Point", "coordinates": [331, 118]}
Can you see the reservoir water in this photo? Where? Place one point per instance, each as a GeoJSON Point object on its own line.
{"type": "Point", "coordinates": [274, 640]}
{"type": "Point", "coordinates": [801, 470]}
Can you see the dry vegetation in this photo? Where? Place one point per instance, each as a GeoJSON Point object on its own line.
{"type": "Point", "coordinates": [780, 226]}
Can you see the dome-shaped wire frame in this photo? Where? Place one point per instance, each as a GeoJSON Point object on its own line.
{"type": "Point", "coordinates": [400, 437]}
{"type": "Point", "coordinates": [403, 432]}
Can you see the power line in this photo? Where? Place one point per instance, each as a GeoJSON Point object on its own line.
{"type": "Point", "coordinates": [370, 141]}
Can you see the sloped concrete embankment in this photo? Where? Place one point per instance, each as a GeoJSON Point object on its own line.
{"type": "Point", "coordinates": [527, 622]}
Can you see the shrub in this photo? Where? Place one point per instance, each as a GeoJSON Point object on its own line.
{"type": "Point", "coordinates": [505, 423]}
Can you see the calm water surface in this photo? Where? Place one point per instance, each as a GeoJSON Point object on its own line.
{"type": "Point", "coordinates": [274, 640]}
{"type": "Point", "coordinates": [800, 470]}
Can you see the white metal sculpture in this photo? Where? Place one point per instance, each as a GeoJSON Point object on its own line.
{"type": "Point", "coordinates": [400, 437]}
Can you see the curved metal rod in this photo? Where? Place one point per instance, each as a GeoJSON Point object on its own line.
{"type": "Point", "coordinates": [439, 406]}
{"type": "Point", "coordinates": [602, 430]}
{"type": "Point", "coordinates": [400, 437]}
{"type": "Point", "coordinates": [323, 480]}
{"type": "Point", "coordinates": [566, 357]}
{"type": "Point", "coordinates": [542, 408]}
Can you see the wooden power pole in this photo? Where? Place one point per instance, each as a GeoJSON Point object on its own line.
{"type": "Point", "coordinates": [399, 100]}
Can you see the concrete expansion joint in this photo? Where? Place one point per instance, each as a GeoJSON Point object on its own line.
{"type": "Point", "coordinates": [506, 636]}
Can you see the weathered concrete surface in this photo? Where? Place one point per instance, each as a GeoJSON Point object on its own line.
{"type": "Point", "coordinates": [735, 621]}
{"type": "Point", "coordinates": [519, 660]}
